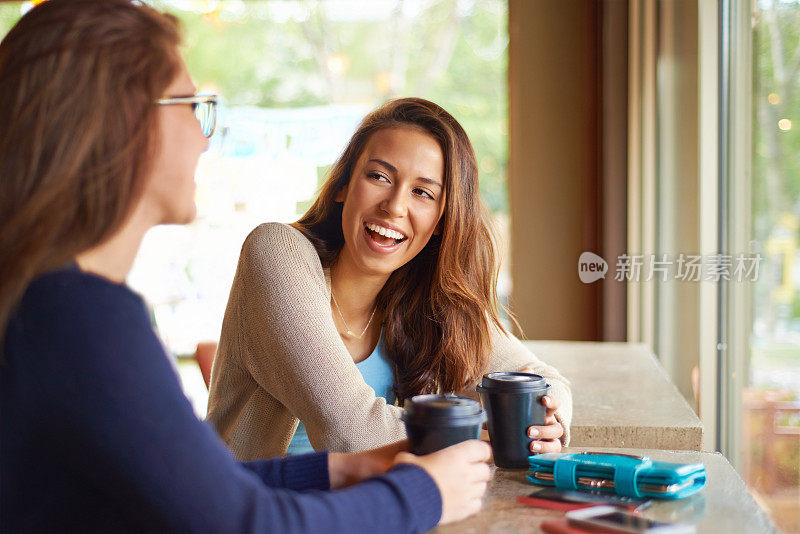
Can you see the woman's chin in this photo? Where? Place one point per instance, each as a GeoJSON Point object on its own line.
{"type": "Point", "coordinates": [380, 266]}
{"type": "Point", "coordinates": [181, 217]}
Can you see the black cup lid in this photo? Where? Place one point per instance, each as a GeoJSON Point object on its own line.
{"type": "Point", "coordinates": [513, 382]}
{"type": "Point", "coordinates": [441, 407]}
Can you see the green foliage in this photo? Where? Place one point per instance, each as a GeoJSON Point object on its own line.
{"type": "Point", "coordinates": [796, 306]}
{"type": "Point", "coordinates": [9, 15]}
{"type": "Point", "coordinates": [776, 92]}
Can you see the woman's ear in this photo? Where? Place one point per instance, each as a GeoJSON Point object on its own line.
{"type": "Point", "coordinates": [341, 194]}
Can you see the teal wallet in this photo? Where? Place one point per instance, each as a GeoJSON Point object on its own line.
{"type": "Point", "coordinates": [626, 475]}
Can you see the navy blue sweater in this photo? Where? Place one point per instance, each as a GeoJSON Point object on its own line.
{"type": "Point", "coordinates": [96, 435]}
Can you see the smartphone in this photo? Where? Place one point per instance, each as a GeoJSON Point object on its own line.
{"type": "Point", "coordinates": [615, 521]}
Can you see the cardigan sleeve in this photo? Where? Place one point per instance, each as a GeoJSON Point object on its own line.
{"type": "Point", "coordinates": [289, 344]}
{"type": "Point", "coordinates": [509, 354]}
{"type": "Point", "coordinates": [301, 472]}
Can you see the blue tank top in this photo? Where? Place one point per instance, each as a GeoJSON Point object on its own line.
{"type": "Point", "coordinates": [378, 373]}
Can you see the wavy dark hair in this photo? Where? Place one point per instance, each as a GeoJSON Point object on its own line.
{"type": "Point", "coordinates": [78, 79]}
{"type": "Point", "coordinates": [440, 306]}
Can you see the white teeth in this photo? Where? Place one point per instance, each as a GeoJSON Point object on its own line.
{"type": "Point", "coordinates": [385, 231]}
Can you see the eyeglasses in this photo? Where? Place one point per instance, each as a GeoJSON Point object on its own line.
{"type": "Point", "coordinates": [204, 107]}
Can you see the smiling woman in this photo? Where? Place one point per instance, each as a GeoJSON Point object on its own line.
{"type": "Point", "coordinates": [397, 246]}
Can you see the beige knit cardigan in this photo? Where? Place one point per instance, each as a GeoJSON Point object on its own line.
{"type": "Point", "coordinates": [280, 358]}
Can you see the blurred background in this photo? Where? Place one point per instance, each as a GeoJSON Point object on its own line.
{"type": "Point", "coordinates": [642, 127]}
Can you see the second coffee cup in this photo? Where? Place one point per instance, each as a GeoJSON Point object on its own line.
{"type": "Point", "coordinates": [513, 401]}
{"type": "Point", "coordinates": [434, 422]}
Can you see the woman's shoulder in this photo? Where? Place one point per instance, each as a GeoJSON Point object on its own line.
{"type": "Point", "coordinates": [278, 234]}
{"type": "Point", "coordinates": [279, 241]}
{"type": "Point", "coordinates": [69, 311]}
{"type": "Point", "coordinates": [273, 248]}
{"type": "Point", "coordinates": [76, 292]}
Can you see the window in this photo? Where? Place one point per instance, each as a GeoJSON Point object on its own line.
{"type": "Point", "coordinates": [771, 393]}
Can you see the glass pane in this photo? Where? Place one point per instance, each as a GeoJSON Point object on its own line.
{"type": "Point", "coordinates": [771, 400]}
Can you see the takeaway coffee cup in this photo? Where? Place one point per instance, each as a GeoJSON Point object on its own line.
{"type": "Point", "coordinates": [513, 402]}
{"type": "Point", "coordinates": [434, 422]}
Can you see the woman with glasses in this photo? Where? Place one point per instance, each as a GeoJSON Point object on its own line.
{"type": "Point", "coordinates": [385, 289]}
{"type": "Point", "coordinates": [99, 143]}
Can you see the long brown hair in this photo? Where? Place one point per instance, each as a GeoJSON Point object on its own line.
{"type": "Point", "coordinates": [439, 307]}
{"type": "Point", "coordinates": [78, 79]}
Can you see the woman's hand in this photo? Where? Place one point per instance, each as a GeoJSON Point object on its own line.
{"type": "Point", "coordinates": [546, 438]}
{"type": "Point", "coordinates": [461, 473]}
{"type": "Point", "coordinates": [348, 469]}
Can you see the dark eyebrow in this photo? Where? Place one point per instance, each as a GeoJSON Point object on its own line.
{"type": "Point", "coordinates": [430, 181]}
{"type": "Point", "coordinates": [393, 169]}
{"type": "Point", "coordinates": [385, 164]}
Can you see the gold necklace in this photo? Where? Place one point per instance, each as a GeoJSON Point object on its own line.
{"type": "Point", "coordinates": [350, 332]}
